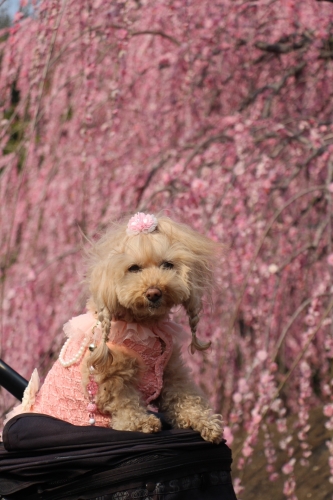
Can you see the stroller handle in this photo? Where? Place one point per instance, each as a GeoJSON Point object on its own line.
{"type": "Point", "coordinates": [12, 381]}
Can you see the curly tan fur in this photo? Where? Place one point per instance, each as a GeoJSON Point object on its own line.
{"type": "Point", "coordinates": [184, 405]}
{"type": "Point", "coordinates": [118, 394]}
{"type": "Point", "coordinates": [178, 262]}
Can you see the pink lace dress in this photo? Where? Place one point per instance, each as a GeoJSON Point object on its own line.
{"type": "Point", "coordinates": [62, 395]}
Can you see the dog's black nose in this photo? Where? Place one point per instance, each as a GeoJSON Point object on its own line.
{"type": "Point", "coordinates": [153, 294]}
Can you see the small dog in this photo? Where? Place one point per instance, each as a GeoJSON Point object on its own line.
{"type": "Point", "coordinates": [124, 354]}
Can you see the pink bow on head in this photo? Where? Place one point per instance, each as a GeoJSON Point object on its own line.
{"type": "Point", "coordinates": [141, 223]}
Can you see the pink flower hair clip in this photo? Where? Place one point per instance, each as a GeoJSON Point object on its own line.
{"type": "Point", "coordinates": [141, 223]}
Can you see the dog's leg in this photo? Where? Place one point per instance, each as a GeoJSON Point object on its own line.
{"type": "Point", "coordinates": [118, 394]}
{"type": "Point", "coordinates": [184, 405]}
{"type": "Point", "coordinates": [129, 414]}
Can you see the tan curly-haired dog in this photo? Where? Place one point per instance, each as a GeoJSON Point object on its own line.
{"type": "Point", "coordinates": [139, 278]}
{"type": "Point", "coordinates": [125, 352]}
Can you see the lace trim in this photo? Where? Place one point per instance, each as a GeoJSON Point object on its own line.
{"type": "Point", "coordinates": [29, 397]}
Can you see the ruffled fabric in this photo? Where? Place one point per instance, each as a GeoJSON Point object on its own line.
{"type": "Point", "coordinates": [81, 326]}
{"type": "Point", "coordinates": [62, 394]}
{"type": "Point", "coordinates": [153, 344]}
{"type": "Point", "coordinates": [29, 397]}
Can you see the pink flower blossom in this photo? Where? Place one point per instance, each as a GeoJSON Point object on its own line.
{"type": "Point", "coordinates": [247, 451]}
{"type": "Point", "coordinates": [256, 417]}
{"type": "Point", "coordinates": [329, 445]}
{"type": "Point", "coordinates": [283, 443]}
{"type": "Point", "coordinates": [237, 397]}
{"type": "Point", "coordinates": [199, 186]}
{"type": "Point", "coordinates": [276, 405]}
{"type": "Point", "coordinates": [310, 320]}
{"type": "Point", "coordinates": [238, 486]}
{"type": "Point", "coordinates": [122, 34]}
{"type": "Point", "coordinates": [261, 355]}
{"type": "Point", "coordinates": [326, 387]}
{"type": "Point", "coordinates": [273, 268]}
{"type": "Point", "coordinates": [328, 410]}
{"type": "Point", "coordinates": [329, 425]}
{"type": "Point", "coordinates": [31, 275]}
{"type": "Point", "coordinates": [243, 385]}
{"type": "Point", "coordinates": [18, 16]}
{"type": "Point", "coordinates": [227, 434]}
{"type": "Point", "coordinates": [178, 168]}
{"type": "Point", "coordinates": [141, 223]}
{"type": "Point", "coordinates": [289, 466]}
{"type": "Point", "coordinates": [273, 367]}
{"type": "Point", "coordinates": [289, 487]}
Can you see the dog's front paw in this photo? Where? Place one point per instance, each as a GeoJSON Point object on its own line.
{"type": "Point", "coordinates": [143, 422]}
{"type": "Point", "coordinates": [212, 430]}
{"type": "Point", "coordinates": [210, 426]}
{"type": "Point", "coordinates": [150, 424]}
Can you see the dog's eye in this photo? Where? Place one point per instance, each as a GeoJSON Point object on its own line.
{"type": "Point", "coordinates": [167, 265]}
{"type": "Point", "coordinates": [134, 269]}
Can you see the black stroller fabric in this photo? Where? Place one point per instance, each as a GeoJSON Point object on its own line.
{"type": "Point", "coordinates": [48, 459]}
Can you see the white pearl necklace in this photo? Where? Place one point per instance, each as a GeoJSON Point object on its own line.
{"type": "Point", "coordinates": [77, 356]}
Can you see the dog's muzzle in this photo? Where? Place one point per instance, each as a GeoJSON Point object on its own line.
{"type": "Point", "coordinates": [153, 295]}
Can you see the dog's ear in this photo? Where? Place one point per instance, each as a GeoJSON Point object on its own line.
{"type": "Point", "coordinates": [102, 287]}
{"type": "Point", "coordinates": [201, 256]}
{"type": "Point", "coordinates": [193, 307]}
{"type": "Point", "coordinates": [104, 299]}
{"type": "Point", "coordinates": [103, 263]}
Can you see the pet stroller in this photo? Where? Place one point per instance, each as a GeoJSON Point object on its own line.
{"type": "Point", "coordinates": [44, 458]}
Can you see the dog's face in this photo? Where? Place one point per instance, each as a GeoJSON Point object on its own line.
{"type": "Point", "coordinates": [142, 277]}
{"type": "Point", "coordinates": [151, 276]}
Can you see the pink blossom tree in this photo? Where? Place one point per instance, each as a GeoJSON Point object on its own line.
{"type": "Point", "coordinates": [219, 114]}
